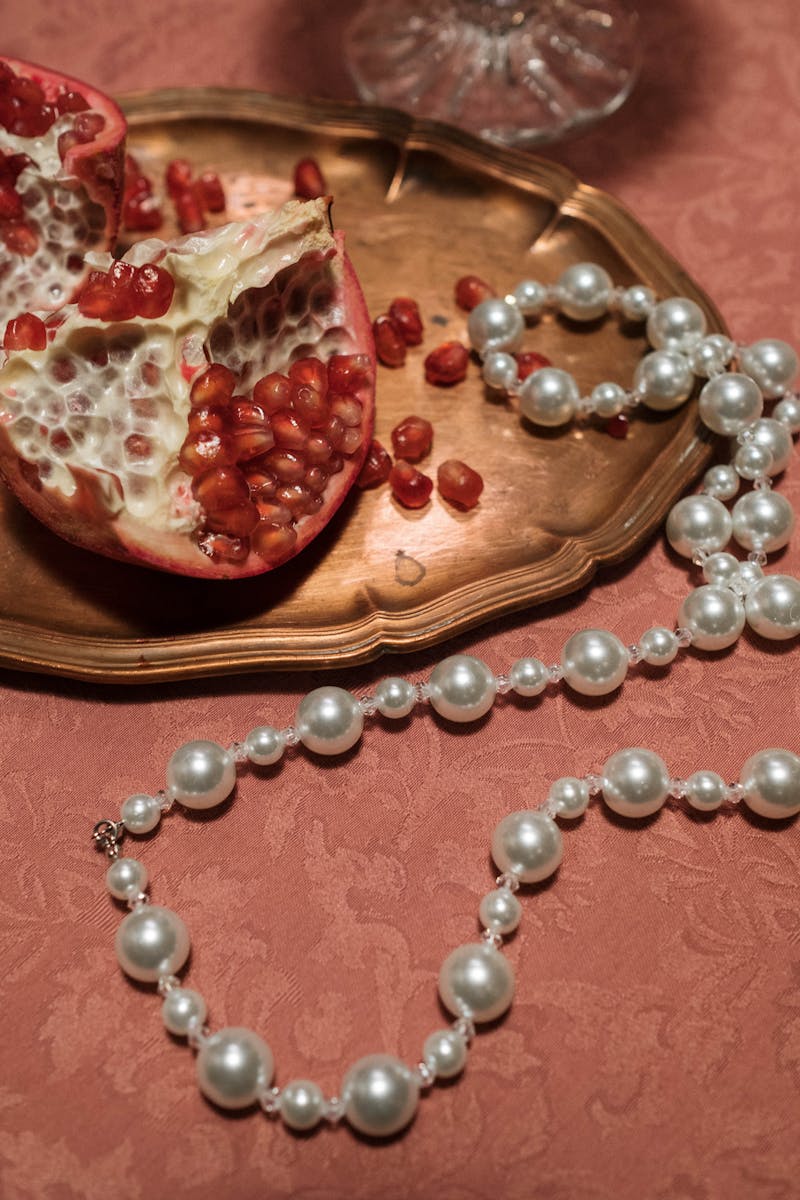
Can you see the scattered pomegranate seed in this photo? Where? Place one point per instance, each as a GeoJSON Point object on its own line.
{"type": "Point", "coordinates": [188, 211]}
{"type": "Point", "coordinates": [309, 182]}
{"type": "Point", "coordinates": [349, 372]}
{"type": "Point", "coordinates": [178, 176]}
{"type": "Point", "coordinates": [412, 438]}
{"type": "Point", "coordinates": [390, 345]}
{"type": "Point", "coordinates": [153, 289]}
{"type": "Point", "coordinates": [410, 486]}
{"type": "Point", "coordinates": [470, 290]}
{"type": "Point", "coordinates": [214, 386]}
{"type": "Point", "coordinates": [459, 484]}
{"type": "Point", "coordinates": [529, 361]}
{"type": "Point", "coordinates": [405, 314]}
{"type": "Point", "coordinates": [618, 426]}
{"type": "Point", "coordinates": [212, 192]}
{"type": "Point", "coordinates": [447, 364]}
{"type": "Point", "coordinates": [26, 332]}
{"type": "Point", "coordinates": [376, 468]}
{"type": "Point", "coordinates": [141, 214]}
{"type": "Point", "coordinates": [108, 299]}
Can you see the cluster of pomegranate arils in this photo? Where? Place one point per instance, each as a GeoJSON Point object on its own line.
{"type": "Point", "coordinates": [192, 197]}
{"type": "Point", "coordinates": [26, 112]}
{"type": "Point", "coordinates": [259, 463]}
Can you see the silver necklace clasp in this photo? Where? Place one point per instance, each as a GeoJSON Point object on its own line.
{"type": "Point", "coordinates": [108, 835]}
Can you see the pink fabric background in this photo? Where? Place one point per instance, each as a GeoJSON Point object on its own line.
{"type": "Point", "coordinates": [653, 1049]}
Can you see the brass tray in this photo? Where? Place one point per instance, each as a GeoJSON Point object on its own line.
{"type": "Point", "coordinates": [421, 204]}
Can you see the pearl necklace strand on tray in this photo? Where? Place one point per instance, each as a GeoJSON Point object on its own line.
{"type": "Point", "coordinates": [379, 1094]}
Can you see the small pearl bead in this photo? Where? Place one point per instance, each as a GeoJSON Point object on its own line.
{"type": "Point", "coordinates": [663, 380]}
{"type": "Point", "coordinates": [705, 790]}
{"type": "Point", "coordinates": [762, 521]}
{"type": "Point", "coordinates": [233, 1066]}
{"type": "Point", "coordinates": [445, 1052]}
{"type": "Point", "coordinates": [140, 814]}
{"type": "Point", "coordinates": [500, 911]}
{"type": "Point", "coordinates": [721, 482]}
{"type": "Point", "coordinates": [528, 844]}
{"type": "Point", "coordinates": [635, 782]}
{"type": "Point", "coordinates": [771, 782]}
{"type": "Point", "coordinates": [395, 697]}
{"type": "Point", "coordinates": [773, 436]}
{"type": "Point", "coordinates": [750, 574]}
{"type": "Point", "coordinates": [771, 363]}
{"type": "Point", "coordinates": [549, 397]}
{"type": "Point", "coordinates": [608, 399]}
{"type": "Point", "coordinates": [659, 646]}
{"type": "Point", "coordinates": [150, 942]}
{"type": "Point", "coordinates": [181, 1007]}
{"type": "Point", "coordinates": [476, 982]}
{"type": "Point", "coordinates": [714, 615]}
{"type": "Point", "coordinates": [729, 403]}
{"type": "Point", "coordinates": [329, 720]}
{"type": "Point", "coordinates": [201, 774]}
{"type": "Point", "coordinates": [530, 297]}
{"type": "Point", "coordinates": [529, 677]}
{"type": "Point", "coordinates": [752, 461]}
{"type": "Point", "coordinates": [265, 745]}
{"type": "Point", "coordinates": [301, 1104]}
{"type": "Point", "coordinates": [584, 291]}
{"type": "Point", "coordinates": [698, 523]}
{"type": "Point", "coordinates": [494, 325]}
{"type": "Point", "coordinates": [462, 688]}
{"type": "Point", "coordinates": [721, 569]}
{"type": "Point", "coordinates": [637, 302]}
{"type": "Point", "coordinates": [380, 1094]}
{"type": "Point", "coordinates": [711, 355]}
{"type": "Point", "coordinates": [772, 607]}
{"type": "Point", "coordinates": [126, 877]}
{"type": "Point", "coordinates": [675, 324]}
{"type": "Point", "coordinates": [569, 796]}
{"type": "Point", "coordinates": [594, 662]}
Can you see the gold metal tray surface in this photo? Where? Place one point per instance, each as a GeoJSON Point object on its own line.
{"type": "Point", "coordinates": [421, 204]}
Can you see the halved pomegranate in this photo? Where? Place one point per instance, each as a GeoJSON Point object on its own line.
{"type": "Point", "coordinates": [61, 175]}
{"type": "Point", "coordinates": [217, 435]}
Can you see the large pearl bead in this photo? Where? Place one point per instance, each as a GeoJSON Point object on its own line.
{"type": "Point", "coordinates": [705, 790]}
{"type": "Point", "coordinates": [594, 662]}
{"type": "Point", "coordinates": [302, 1104]}
{"type": "Point", "coordinates": [445, 1053]}
{"type": "Point", "coordinates": [529, 676]}
{"type": "Point", "coordinates": [698, 523]}
{"type": "Point", "coordinates": [182, 1008]}
{"type": "Point", "coordinates": [549, 397]}
{"type": "Point", "coordinates": [495, 325]}
{"type": "Point", "coordinates": [233, 1067]}
{"type": "Point", "coordinates": [476, 982]}
{"type": "Point", "coordinates": [729, 403]}
{"type": "Point", "coordinates": [395, 697]}
{"type": "Point", "coordinates": [140, 814]}
{"type": "Point", "coordinates": [675, 324]}
{"type": "Point", "coordinates": [126, 877]}
{"type": "Point", "coordinates": [663, 380]}
{"type": "Point", "coordinates": [264, 745]}
{"type": "Point", "coordinates": [772, 607]}
{"type": "Point", "coordinates": [201, 774]}
{"type": "Point", "coordinates": [635, 782]}
{"type": "Point", "coordinates": [462, 688]}
{"type": "Point", "coordinates": [151, 942]}
{"type": "Point", "coordinates": [658, 646]}
{"type": "Point", "coordinates": [380, 1094]}
{"type": "Point", "coordinates": [528, 844]}
{"type": "Point", "coordinates": [762, 521]}
{"type": "Point", "coordinates": [773, 436]}
{"type": "Point", "coordinates": [771, 782]}
{"type": "Point", "coordinates": [500, 911]}
{"type": "Point", "coordinates": [584, 291]}
{"type": "Point", "coordinates": [329, 720]}
{"type": "Point", "coordinates": [772, 363]}
{"type": "Point", "coordinates": [787, 411]}
{"type": "Point", "coordinates": [713, 615]}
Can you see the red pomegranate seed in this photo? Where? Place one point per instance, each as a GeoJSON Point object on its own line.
{"type": "Point", "coordinates": [121, 276]}
{"type": "Point", "coordinates": [153, 289]}
{"type": "Point", "coordinates": [221, 548]}
{"type": "Point", "coordinates": [274, 543]}
{"type": "Point", "coordinates": [272, 392]}
{"type": "Point", "coordinates": [285, 465]}
{"type": "Point", "coordinates": [141, 213]}
{"type": "Point", "coordinates": [309, 182]}
{"type": "Point", "coordinates": [618, 426]}
{"type": "Point", "coordinates": [529, 361]}
{"type": "Point", "coordinates": [26, 332]}
{"type": "Point", "coordinates": [349, 372]}
{"type": "Point", "coordinates": [109, 297]}
{"type": "Point", "coordinates": [178, 176]}
{"type": "Point", "coordinates": [221, 488]}
{"type": "Point", "coordinates": [311, 407]}
{"type": "Point", "coordinates": [10, 202]}
{"type": "Point", "coordinates": [262, 483]}
{"type": "Point", "coordinates": [19, 238]}
{"type": "Point", "coordinates": [208, 416]}
{"type": "Point", "coordinates": [390, 344]}
{"type": "Point", "coordinates": [309, 372]}
{"type": "Point", "coordinates": [289, 430]}
{"type": "Point", "coordinates": [447, 364]}
{"type": "Point", "coordinates": [273, 513]}
{"type": "Point", "coordinates": [315, 479]}
{"type": "Point", "coordinates": [251, 441]}
{"type": "Point", "coordinates": [318, 449]}
{"type": "Point", "coordinates": [296, 497]}
{"type": "Point", "coordinates": [70, 102]}
{"type": "Point", "coordinates": [376, 468]}
{"type": "Point", "coordinates": [206, 449]}
{"type": "Point", "coordinates": [412, 438]}
{"type": "Point", "coordinates": [214, 386]}
{"type": "Point", "coordinates": [66, 142]}
{"type": "Point", "coordinates": [405, 314]}
{"type": "Point", "coordinates": [26, 90]}
{"type": "Point", "coordinates": [347, 409]}
{"type": "Point", "coordinates": [351, 440]}
{"type": "Point", "coordinates": [459, 484]}
{"type": "Point", "coordinates": [244, 412]}
{"type": "Point", "coordinates": [212, 192]}
{"type": "Point", "coordinates": [188, 211]}
{"type": "Point", "coordinates": [235, 522]}
{"type": "Point", "coordinates": [87, 125]}
{"type": "Point", "coordinates": [410, 486]}
{"type": "Point", "coordinates": [470, 290]}
{"type": "Point", "coordinates": [13, 165]}
{"type": "Point", "coordinates": [333, 431]}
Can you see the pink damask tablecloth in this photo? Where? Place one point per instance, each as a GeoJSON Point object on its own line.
{"type": "Point", "coordinates": [653, 1049]}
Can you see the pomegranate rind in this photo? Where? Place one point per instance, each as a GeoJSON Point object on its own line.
{"type": "Point", "coordinates": [89, 508]}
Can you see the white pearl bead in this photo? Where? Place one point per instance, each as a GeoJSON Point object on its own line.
{"type": "Point", "coordinates": [787, 411]}
{"type": "Point", "coordinates": [637, 302]}
{"type": "Point", "coordinates": [659, 646]}
{"type": "Point", "coordinates": [762, 521]}
{"type": "Point", "coordinates": [569, 796]}
{"type": "Point", "coordinates": [265, 745]}
{"type": "Point", "coordinates": [752, 461]}
{"type": "Point", "coordinates": [698, 523]}
{"type": "Point", "coordinates": [771, 782]}
{"type": "Point", "coordinates": [500, 911]}
{"type": "Point", "coordinates": [462, 688]}
{"type": "Point", "coordinates": [705, 790]}
{"type": "Point", "coordinates": [500, 371]}
{"type": "Point", "coordinates": [301, 1104]}
{"type": "Point", "coordinates": [721, 569]}
{"type": "Point", "coordinates": [675, 324]}
{"type": "Point", "coordinates": [233, 1066]}
{"type": "Point", "coordinates": [773, 436]}
{"type": "Point", "coordinates": [772, 607]}
{"type": "Point", "coordinates": [729, 403]}
{"type": "Point", "coordinates": [714, 615]}
{"type": "Point", "coordinates": [772, 363]}
{"type": "Point", "coordinates": [495, 325]}
{"type": "Point", "coordinates": [750, 574]}
{"type": "Point", "coordinates": [445, 1052]}
{"type": "Point", "coordinates": [529, 845]}
{"type": "Point", "coordinates": [721, 482]}
{"type": "Point", "coordinates": [711, 355]}
{"type": "Point", "coordinates": [663, 380]}
{"type": "Point", "coordinates": [329, 720]}
{"type": "Point", "coordinates": [635, 782]}
{"type": "Point", "coordinates": [150, 942]}
{"type": "Point", "coordinates": [549, 397]}
{"type": "Point", "coordinates": [181, 1009]}
{"type": "Point", "coordinates": [126, 877]}
{"type": "Point", "coordinates": [395, 697]}
{"type": "Point", "coordinates": [608, 399]}
{"type": "Point", "coordinates": [530, 297]}
{"type": "Point", "coordinates": [380, 1094]}
{"type": "Point", "coordinates": [529, 677]}
{"type": "Point", "coordinates": [476, 982]}
{"type": "Point", "coordinates": [584, 291]}
{"type": "Point", "coordinates": [140, 814]}
{"type": "Point", "coordinates": [201, 774]}
{"type": "Point", "coordinates": [594, 662]}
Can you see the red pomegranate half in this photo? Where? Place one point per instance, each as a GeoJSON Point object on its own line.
{"type": "Point", "coordinates": [61, 172]}
{"type": "Point", "coordinates": [206, 404]}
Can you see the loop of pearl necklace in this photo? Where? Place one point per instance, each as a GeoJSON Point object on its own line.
{"type": "Point", "coordinates": [380, 1093]}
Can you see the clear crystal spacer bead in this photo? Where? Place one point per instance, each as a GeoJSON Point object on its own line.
{"type": "Point", "coordinates": [166, 983]}
{"type": "Point", "coordinates": [425, 1076]}
{"type": "Point", "coordinates": [290, 736]}
{"type": "Point", "coordinates": [334, 1110]}
{"type": "Point", "coordinates": [555, 673]}
{"type": "Point", "coordinates": [684, 637]}
{"type": "Point", "coordinates": [762, 484]}
{"type": "Point", "coordinates": [270, 1101]}
{"type": "Point", "coordinates": [735, 793]}
{"type": "Point", "coordinates": [745, 435]}
{"type": "Point", "coordinates": [137, 901]}
{"type": "Point", "coordinates": [758, 557]}
{"type": "Point", "coordinates": [368, 705]}
{"type": "Point", "coordinates": [508, 880]}
{"type": "Point", "coordinates": [423, 692]}
{"type": "Point", "coordinates": [493, 938]}
{"type": "Point", "coordinates": [594, 784]}
{"type": "Point", "coordinates": [699, 557]}
{"type": "Point", "coordinates": [549, 807]}
{"type": "Point", "coordinates": [678, 789]}
{"type": "Point", "coordinates": [197, 1033]}
{"type": "Point", "coordinates": [166, 802]}
{"type": "Point", "coordinates": [464, 1028]}
{"type": "Point", "coordinates": [503, 684]}
{"type": "Point", "coordinates": [239, 752]}
{"type": "Point", "coordinates": [634, 654]}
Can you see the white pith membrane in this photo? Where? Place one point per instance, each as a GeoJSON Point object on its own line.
{"type": "Point", "coordinates": [67, 223]}
{"type": "Point", "coordinates": [112, 399]}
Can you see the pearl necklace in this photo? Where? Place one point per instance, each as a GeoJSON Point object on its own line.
{"type": "Point", "coordinates": [379, 1094]}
